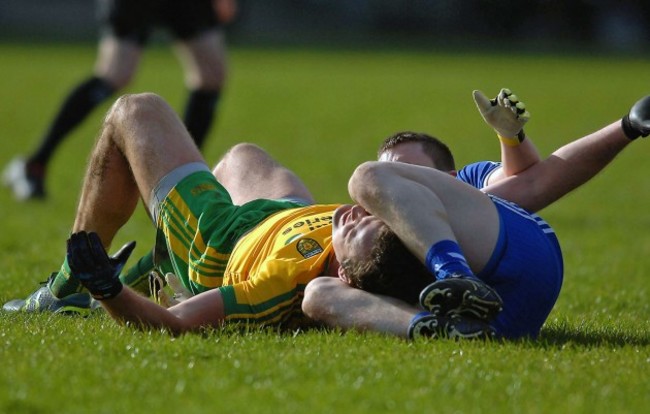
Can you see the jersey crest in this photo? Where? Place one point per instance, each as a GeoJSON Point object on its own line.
{"type": "Point", "coordinates": [308, 247]}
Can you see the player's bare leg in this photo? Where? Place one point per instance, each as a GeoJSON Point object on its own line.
{"type": "Point", "coordinates": [142, 140]}
{"type": "Point", "coordinates": [248, 173]}
{"type": "Point", "coordinates": [204, 63]}
{"type": "Point", "coordinates": [116, 62]}
{"type": "Point", "coordinates": [435, 216]}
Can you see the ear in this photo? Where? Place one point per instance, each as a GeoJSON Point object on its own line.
{"type": "Point", "coordinates": [453, 173]}
{"type": "Point", "coordinates": [343, 276]}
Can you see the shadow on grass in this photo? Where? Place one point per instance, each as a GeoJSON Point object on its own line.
{"type": "Point", "coordinates": [565, 335]}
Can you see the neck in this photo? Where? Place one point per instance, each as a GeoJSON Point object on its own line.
{"type": "Point", "coordinates": [332, 267]}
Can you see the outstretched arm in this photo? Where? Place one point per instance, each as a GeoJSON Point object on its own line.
{"type": "Point", "coordinates": [563, 171]}
{"type": "Point", "coordinates": [575, 163]}
{"type": "Point", "coordinates": [200, 311]}
{"type": "Point", "coordinates": [99, 273]}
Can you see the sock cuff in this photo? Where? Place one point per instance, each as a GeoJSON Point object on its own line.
{"type": "Point", "coordinates": [445, 258]}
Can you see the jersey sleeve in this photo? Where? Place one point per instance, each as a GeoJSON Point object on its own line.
{"type": "Point", "coordinates": [477, 174]}
{"type": "Point", "coordinates": [273, 295]}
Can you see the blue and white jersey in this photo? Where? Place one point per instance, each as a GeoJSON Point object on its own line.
{"type": "Point", "coordinates": [478, 173]}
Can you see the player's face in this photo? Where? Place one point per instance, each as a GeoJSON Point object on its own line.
{"type": "Point", "coordinates": [408, 153]}
{"type": "Point", "coordinates": [354, 232]}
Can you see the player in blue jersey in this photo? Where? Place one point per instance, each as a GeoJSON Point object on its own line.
{"type": "Point", "coordinates": [126, 26]}
{"type": "Point", "coordinates": [504, 245]}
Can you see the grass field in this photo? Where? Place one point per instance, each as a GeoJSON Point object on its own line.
{"type": "Point", "coordinates": [322, 112]}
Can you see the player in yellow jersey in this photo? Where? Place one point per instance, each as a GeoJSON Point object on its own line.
{"type": "Point", "coordinates": [247, 253]}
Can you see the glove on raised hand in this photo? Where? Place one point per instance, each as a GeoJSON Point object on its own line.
{"type": "Point", "coordinates": [92, 266]}
{"type": "Point", "coordinates": [505, 114]}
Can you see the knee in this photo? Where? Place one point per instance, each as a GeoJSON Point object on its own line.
{"type": "Point", "coordinates": [240, 154]}
{"type": "Point", "coordinates": [130, 112]}
{"type": "Point", "coordinates": [210, 78]}
{"type": "Point", "coordinates": [209, 69]}
{"type": "Point", "coordinates": [318, 299]}
{"type": "Point", "coordinates": [244, 150]}
{"type": "Point", "coordinates": [134, 106]}
{"type": "Point", "coordinates": [365, 184]}
{"type": "Point", "coordinates": [117, 80]}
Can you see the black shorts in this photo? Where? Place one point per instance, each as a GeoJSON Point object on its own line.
{"type": "Point", "coordinates": [135, 19]}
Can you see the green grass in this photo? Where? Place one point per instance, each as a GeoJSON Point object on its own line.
{"type": "Point", "coordinates": [322, 112]}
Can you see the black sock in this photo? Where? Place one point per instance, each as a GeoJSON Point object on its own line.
{"type": "Point", "coordinates": [79, 103]}
{"type": "Point", "coordinates": [199, 113]}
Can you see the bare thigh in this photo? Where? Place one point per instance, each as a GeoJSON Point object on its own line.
{"type": "Point", "coordinates": [204, 60]}
{"type": "Point", "coordinates": [117, 60]}
{"type": "Point", "coordinates": [152, 138]}
{"type": "Point", "coordinates": [424, 206]}
{"type": "Point", "coordinates": [249, 173]}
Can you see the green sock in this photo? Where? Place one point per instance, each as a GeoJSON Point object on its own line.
{"type": "Point", "coordinates": [62, 284]}
{"type": "Point", "coordinates": [137, 276]}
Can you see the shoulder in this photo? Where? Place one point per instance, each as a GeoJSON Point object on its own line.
{"type": "Point", "coordinates": [478, 173]}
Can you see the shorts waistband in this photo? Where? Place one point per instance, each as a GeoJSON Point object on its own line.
{"type": "Point", "coordinates": [168, 182]}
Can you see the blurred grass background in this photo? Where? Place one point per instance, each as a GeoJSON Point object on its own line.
{"type": "Point", "coordinates": [321, 112]}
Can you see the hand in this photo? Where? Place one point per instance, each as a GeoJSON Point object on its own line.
{"type": "Point", "coordinates": [180, 292]}
{"type": "Point", "coordinates": [225, 10]}
{"type": "Point", "coordinates": [637, 122]}
{"type": "Point", "coordinates": [96, 271]}
{"type": "Point", "coordinates": [504, 113]}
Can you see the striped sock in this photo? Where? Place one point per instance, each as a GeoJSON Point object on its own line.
{"type": "Point", "coordinates": [62, 284]}
{"type": "Point", "coordinates": [445, 259]}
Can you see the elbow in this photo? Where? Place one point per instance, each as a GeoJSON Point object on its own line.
{"type": "Point", "coordinates": [318, 302]}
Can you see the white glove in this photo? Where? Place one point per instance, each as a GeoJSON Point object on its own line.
{"type": "Point", "coordinates": [504, 113]}
{"type": "Point", "coordinates": [179, 292]}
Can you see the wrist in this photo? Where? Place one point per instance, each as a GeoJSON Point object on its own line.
{"type": "Point", "coordinates": [521, 136]}
{"type": "Point", "coordinates": [104, 289]}
{"type": "Point", "coordinates": [630, 132]}
{"type": "Point", "coordinates": [510, 142]}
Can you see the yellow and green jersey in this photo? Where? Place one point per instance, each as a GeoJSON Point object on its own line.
{"type": "Point", "coordinates": [260, 254]}
{"type": "Point", "coordinates": [271, 265]}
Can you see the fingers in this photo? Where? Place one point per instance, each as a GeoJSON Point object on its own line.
{"type": "Point", "coordinates": [509, 100]}
{"type": "Point", "coordinates": [124, 253]}
{"type": "Point", "coordinates": [86, 252]}
{"type": "Point", "coordinates": [505, 99]}
{"type": "Point", "coordinates": [80, 252]}
{"type": "Point", "coordinates": [482, 101]}
{"type": "Point", "coordinates": [99, 255]}
{"type": "Point", "coordinates": [164, 299]}
{"type": "Point", "coordinates": [156, 284]}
